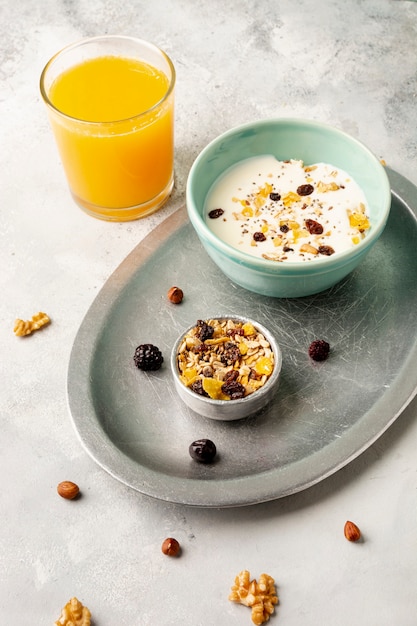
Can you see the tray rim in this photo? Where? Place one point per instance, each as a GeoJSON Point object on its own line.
{"type": "Point", "coordinates": [239, 491]}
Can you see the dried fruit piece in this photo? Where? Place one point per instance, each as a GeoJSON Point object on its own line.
{"type": "Point", "coordinates": [171, 547]}
{"type": "Point", "coordinates": [74, 614]}
{"type": "Point", "coordinates": [202, 450]}
{"type": "Point", "coordinates": [319, 350]}
{"type": "Point", "coordinates": [175, 295]}
{"type": "Point", "coordinates": [204, 331]}
{"type": "Point", "coordinates": [275, 197]}
{"type": "Point", "coordinates": [313, 227]}
{"type": "Point", "coordinates": [215, 213]}
{"type": "Point", "coordinates": [261, 597]}
{"type": "Point", "coordinates": [148, 357]}
{"type": "Point", "coordinates": [352, 532]}
{"type": "Point", "coordinates": [68, 490]}
{"type": "Point", "coordinates": [234, 390]}
{"type": "Point", "coordinates": [326, 250]}
{"type": "Point", "coordinates": [258, 236]}
{"type": "Point", "coordinates": [305, 190]}
{"type": "Point", "coordinates": [213, 387]}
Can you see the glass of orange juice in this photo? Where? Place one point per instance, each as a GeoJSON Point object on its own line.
{"type": "Point", "coordinates": [110, 103]}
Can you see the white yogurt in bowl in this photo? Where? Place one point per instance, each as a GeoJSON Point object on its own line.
{"type": "Point", "coordinates": [286, 210]}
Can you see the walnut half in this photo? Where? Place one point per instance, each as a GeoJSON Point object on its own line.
{"type": "Point", "coordinates": [260, 596]}
{"type": "Point", "coordinates": [74, 614]}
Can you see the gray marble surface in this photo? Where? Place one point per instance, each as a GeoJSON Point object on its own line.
{"type": "Point", "coordinates": [351, 64]}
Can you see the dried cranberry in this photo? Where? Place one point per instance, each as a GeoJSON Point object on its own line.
{"type": "Point", "coordinates": [215, 213]}
{"type": "Point", "coordinates": [275, 196]}
{"type": "Point", "coordinates": [233, 389]}
{"type": "Point", "coordinates": [204, 330]}
{"type": "Point", "coordinates": [305, 190]}
{"type": "Point", "coordinates": [326, 250]}
{"type": "Point", "coordinates": [313, 227]}
{"type": "Point", "coordinates": [319, 350]}
{"type": "Point", "coordinates": [259, 236]}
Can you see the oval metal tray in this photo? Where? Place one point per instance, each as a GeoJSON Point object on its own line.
{"type": "Point", "coordinates": [323, 416]}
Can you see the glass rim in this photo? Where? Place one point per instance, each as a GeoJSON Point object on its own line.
{"type": "Point", "coordinates": [97, 38]}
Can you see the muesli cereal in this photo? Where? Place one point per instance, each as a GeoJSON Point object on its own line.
{"type": "Point", "coordinates": [224, 359]}
{"type": "Point", "coordinates": [286, 210]}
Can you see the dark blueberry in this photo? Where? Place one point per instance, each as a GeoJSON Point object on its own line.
{"type": "Point", "coordinates": [148, 357]}
{"type": "Point", "coordinates": [319, 350]}
{"type": "Point", "coordinates": [202, 450]}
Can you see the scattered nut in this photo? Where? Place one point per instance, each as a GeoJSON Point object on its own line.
{"type": "Point", "coordinates": [74, 614]}
{"type": "Point", "coordinates": [23, 328]}
{"type": "Point", "coordinates": [352, 532]}
{"type": "Point", "coordinates": [170, 547]}
{"type": "Point", "coordinates": [68, 490]}
{"type": "Point", "coordinates": [261, 597]}
{"type": "Point", "coordinates": [175, 295]}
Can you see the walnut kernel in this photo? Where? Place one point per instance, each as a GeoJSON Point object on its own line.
{"type": "Point", "coordinates": [261, 597]}
{"type": "Point", "coordinates": [74, 614]}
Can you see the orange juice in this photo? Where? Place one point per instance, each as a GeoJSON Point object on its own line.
{"type": "Point", "coordinates": [112, 118]}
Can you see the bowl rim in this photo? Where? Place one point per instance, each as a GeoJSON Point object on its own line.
{"type": "Point", "coordinates": [340, 258]}
{"type": "Point", "coordinates": [272, 380]}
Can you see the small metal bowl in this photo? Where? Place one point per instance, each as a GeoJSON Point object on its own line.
{"type": "Point", "coordinates": [228, 410]}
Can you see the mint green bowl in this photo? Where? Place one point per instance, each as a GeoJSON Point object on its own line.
{"type": "Point", "coordinates": [284, 138]}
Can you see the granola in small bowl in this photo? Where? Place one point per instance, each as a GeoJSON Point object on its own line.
{"type": "Point", "coordinates": [225, 367]}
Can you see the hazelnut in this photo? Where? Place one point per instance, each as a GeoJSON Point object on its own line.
{"type": "Point", "coordinates": [175, 295]}
{"type": "Point", "coordinates": [170, 547]}
{"type": "Point", "coordinates": [352, 532]}
{"type": "Point", "coordinates": [68, 490]}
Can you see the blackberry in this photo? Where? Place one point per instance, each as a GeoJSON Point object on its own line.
{"type": "Point", "coordinates": [319, 350]}
{"type": "Point", "coordinates": [148, 357]}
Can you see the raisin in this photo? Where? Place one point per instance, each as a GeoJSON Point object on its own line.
{"type": "Point", "coordinates": [233, 389]}
{"type": "Point", "coordinates": [231, 353]}
{"type": "Point", "coordinates": [231, 332]}
{"type": "Point", "coordinates": [288, 249]}
{"type": "Point", "coordinates": [326, 250]}
{"type": "Point", "coordinates": [259, 236]}
{"type": "Point", "coordinates": [275, 196]}
{"type": "Point", "coordinates": [215, 213]}
{"type": "Point", "coordinates": [305, 190]}
{"type": "Point", "coordinates": [197, 387]}
{"type": "Point", "coordinates": [313, 227]}
{"type": "Point", "coordinates": [284, 228]}
{"type": "Point", "coordinates": [231, 376]}
{"type": "Point", "coordinates": [204, 330]}
{"type": "Point", "coordinates": [319, 350]}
